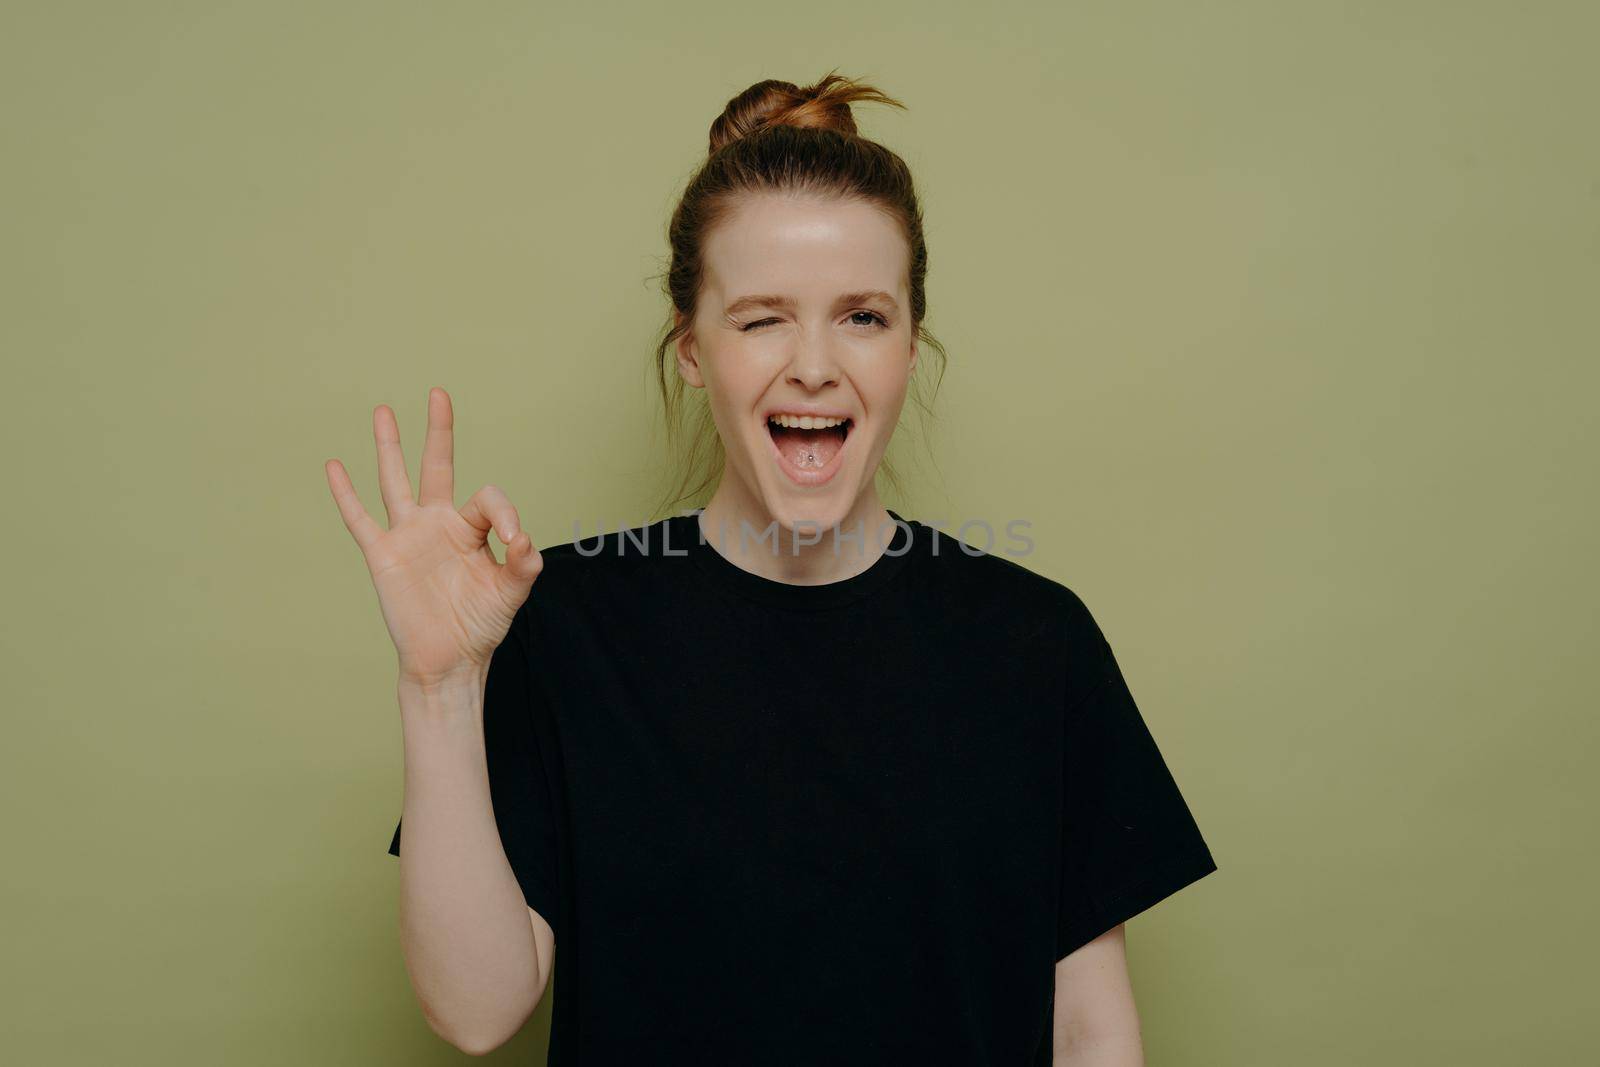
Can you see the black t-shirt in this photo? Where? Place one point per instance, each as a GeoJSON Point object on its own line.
{"type": "Point", "coordinates": [852, 823]}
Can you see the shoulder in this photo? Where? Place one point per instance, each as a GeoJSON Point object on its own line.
{"type": "Point", "coordinates": [997, 589]}
{"type": "Point", "coordinates": [995, 578]}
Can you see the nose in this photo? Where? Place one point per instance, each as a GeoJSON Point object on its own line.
{"type": "Point", "coordinates": [813, 364]}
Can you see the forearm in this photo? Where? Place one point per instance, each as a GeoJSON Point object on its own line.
{"type": "Point", "coordinates": [464, 928]}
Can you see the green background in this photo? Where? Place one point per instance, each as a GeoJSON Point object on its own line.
{"type": "Point", "coordinates": [1276, 321]}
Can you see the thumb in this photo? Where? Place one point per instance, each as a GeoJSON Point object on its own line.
{"type": "Point", "coordinates": [522, 566]}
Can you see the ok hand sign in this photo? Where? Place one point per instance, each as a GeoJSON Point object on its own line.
{"type": "Point", "coordinates": [447, 601]}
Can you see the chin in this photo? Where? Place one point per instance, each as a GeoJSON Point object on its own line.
{"type": "Point", "coordinates": [818, 510]}
{"type": "Point", "coordinates": [815, 522]}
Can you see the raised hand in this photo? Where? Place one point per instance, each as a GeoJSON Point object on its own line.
{"type": "Point", "coordinates": [447, 601]}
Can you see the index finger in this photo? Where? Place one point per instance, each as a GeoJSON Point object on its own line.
{"type": "Point", "coordinates": [362, 526]}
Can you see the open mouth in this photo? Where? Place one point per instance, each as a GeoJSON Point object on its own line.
{"type": "Point", "coordinates": [809, 455]}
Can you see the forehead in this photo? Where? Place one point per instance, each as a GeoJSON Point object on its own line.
{"type": "Point", "coordinates": [804, 246]}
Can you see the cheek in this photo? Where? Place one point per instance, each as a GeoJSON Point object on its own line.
{"type": "Point", "coordinates": [884, 381]}
{"type": "Point", "coordinates": [733, 385]}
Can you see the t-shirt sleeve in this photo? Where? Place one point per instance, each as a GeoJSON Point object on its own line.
{"type": "Point", "coordinates": [520, 779]}
{"type": "Point", "coordinates": [1128, 839]}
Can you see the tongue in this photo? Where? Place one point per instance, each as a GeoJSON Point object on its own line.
{"type": "Point", "coordinates": [808, 449]}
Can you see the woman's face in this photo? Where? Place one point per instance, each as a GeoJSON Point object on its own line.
{"type": "Point", "coordinates": [804, 311]}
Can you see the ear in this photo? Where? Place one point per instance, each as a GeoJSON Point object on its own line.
{"type": "Point", "coordinates": [689, 357]}
{"type": "Point", "coordinates": [913, 365]}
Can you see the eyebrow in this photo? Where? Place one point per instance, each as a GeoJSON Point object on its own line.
{"type": "Point", "coordinates": [866, 296]}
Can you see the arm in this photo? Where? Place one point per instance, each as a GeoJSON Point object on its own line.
{"type": "Point", "coordinates": [1096, 1023]}
{"type": "Point", "coordinates": [479, 958]}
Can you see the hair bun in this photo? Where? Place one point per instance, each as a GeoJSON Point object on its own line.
{"type": "Point", "coordinates": [825, 105]}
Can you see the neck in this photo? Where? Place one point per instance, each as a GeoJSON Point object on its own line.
{"type": "Point", "coordinates": [799, 549]}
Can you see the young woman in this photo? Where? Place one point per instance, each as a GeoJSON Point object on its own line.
{"type": "Point", "coordinates": [791, 779]}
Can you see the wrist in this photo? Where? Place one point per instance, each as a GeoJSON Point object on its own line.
{"type": "Point", "coordinates": [451, 686]}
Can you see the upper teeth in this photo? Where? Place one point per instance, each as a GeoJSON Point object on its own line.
{"type": "Point", "coordinates": [805, 422]}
